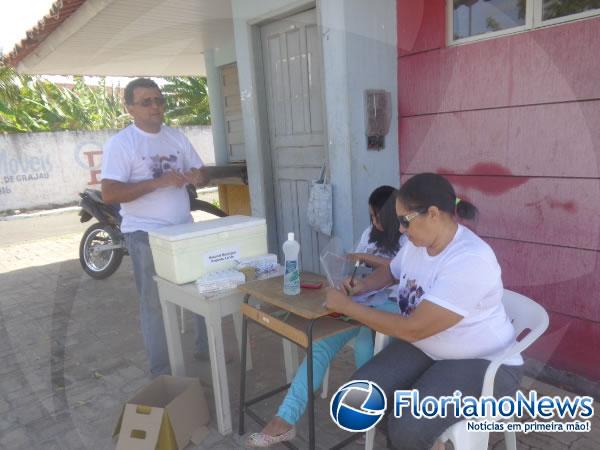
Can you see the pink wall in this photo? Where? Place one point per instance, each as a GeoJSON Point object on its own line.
{"type": "Point", "coordinates": [515, 123]}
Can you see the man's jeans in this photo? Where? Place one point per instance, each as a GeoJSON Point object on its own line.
{"type": "Point", "coordinates": [151, 318]}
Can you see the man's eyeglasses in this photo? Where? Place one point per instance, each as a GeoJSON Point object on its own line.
{"type": "Point", "coordinates": [405, 220]}
{"type": "Point", "coordinates": [147, 102]}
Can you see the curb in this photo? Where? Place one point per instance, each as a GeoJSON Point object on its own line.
{"type": "Point", "coordinates": [49, 212]}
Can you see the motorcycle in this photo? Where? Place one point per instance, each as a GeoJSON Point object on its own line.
{"type": "Point", "coordinates": [102, 245]}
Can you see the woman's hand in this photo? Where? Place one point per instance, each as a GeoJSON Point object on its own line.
{"type": "Point", "coordinates": [356, 257]}
{"type": "Point", "coordinates": [369, 260]}
{"type": "Point", "coordinates": [336, 300]}
{"type": "Point", "coordinates": [354, 286]}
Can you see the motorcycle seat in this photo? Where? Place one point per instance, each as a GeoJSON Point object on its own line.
{"type": "Point", "coordinates": [95, 195]}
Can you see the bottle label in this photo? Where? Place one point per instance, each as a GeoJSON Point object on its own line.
{"type": "Point", "coordinates": [291, 279]}
{"type": "Point", "coordinates": [291, 266]}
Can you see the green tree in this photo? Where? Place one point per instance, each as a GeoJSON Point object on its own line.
{"type": "Point", "coordinates": [186, 101]}
{"type": "Point", "coordinates": [33, 104]}
{"type": "Point", "coordinates": [29, 104]}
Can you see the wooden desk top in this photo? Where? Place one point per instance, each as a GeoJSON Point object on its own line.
{"type": "Point", "coordinates": [308, 304]}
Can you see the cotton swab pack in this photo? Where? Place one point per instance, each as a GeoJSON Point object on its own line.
{"type": "Point", "coordinates": [220, 280]}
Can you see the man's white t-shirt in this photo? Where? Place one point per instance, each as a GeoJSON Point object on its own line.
{"type": "Point", "coordinates": [464, 278]}
{"type": "Point", "coordinates": [133, 155]}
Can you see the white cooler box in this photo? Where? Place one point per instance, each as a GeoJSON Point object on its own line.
{"type": "Point", "coordinates": [182, 253]}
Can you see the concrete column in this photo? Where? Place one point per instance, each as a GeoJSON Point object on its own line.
{"type": "Point", "coordinates": [337, 109]}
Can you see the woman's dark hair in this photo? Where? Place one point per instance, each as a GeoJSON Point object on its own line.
{"type": "Point", "coordinates": [137, 83]}
{"type": "Point", "coordinates": [383, 203]}
{"type": "Point", "coordinates": [430, 189]}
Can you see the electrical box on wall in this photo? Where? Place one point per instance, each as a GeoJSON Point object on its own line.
{"type": "Point", "coordinates": [378, 112]}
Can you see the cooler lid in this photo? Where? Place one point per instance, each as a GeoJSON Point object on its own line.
{"type": "Point", "coordinates": [206, 227]}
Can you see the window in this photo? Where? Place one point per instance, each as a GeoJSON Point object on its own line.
{"type": "Point", "coordinates": [472, 20]}
{"type": "Point", "coordinates": [475, 17]}
{"type": "Point", "coordinates": [556, 9]}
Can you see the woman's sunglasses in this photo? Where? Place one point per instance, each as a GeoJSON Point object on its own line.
{"type": "Point", "coordinates": [405, 220]}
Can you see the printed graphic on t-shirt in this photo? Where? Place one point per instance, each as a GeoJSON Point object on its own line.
{"type": "Point", "coordinates": [162, 164]}
{"type": "Point", "coordinates": [409, 296]}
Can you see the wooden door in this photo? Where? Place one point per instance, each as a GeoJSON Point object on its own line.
{"type": "Point", "coordinates": [232, 108]}
{"type": "Point", "coordinates": [293, 61]}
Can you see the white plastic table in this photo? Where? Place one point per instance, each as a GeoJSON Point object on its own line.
{"type": "Point", "coordinates": [213, 307]}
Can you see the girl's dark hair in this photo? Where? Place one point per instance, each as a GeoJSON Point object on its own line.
{"type": "Point", "coordinates": [383, 203]}
{"type": "Point", "coordinates": [430, 189]}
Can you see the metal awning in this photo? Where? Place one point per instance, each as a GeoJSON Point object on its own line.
{"type": "Point", "coordinates": [125, 37]}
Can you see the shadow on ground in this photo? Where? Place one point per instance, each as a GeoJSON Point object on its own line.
{"type": "Point", "coordinates": [72, 354]}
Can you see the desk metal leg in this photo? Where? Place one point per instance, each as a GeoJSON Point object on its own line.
{"type": "Point", "coordinates": [237, 326]}
{"type": "Point", "coordinates": [219, 373]}
{"type": "Point", "coordinates": [311, 397]}
{"type": "Point", "coordinates": [173, 337]}
{"type": "Point", "coordinates": [242, 369]}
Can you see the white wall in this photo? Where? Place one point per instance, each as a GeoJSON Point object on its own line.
{"type": "Point", "coordinates": [42, 169]}
{"type": "Point", "coordinates": [371, 63]}
{"type": "Point", "coordinates": [359, 48]}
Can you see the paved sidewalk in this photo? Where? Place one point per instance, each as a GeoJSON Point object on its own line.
{"type": "Point", "coordinates": [72, 354]}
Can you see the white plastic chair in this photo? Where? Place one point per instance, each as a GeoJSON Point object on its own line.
{"type": "Point", "coordinates": [525, 314]}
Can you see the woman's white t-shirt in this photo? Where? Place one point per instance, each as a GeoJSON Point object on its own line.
{"type": "Point", "coordinates": [464, 278]}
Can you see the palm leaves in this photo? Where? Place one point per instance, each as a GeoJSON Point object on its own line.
{"type": "Point", "coordinates": [187, 101]}
{"type": "Point", "coordinates": [33, 104]}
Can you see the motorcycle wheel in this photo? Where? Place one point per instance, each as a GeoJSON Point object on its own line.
{"type": "Point", "coordinates": [100, 265]}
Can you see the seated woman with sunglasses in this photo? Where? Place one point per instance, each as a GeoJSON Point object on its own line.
{"type": "Point", "coordinates": [449, 321]}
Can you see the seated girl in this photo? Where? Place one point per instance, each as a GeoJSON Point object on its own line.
{"type": "Point", "coordinates": [380, 246]}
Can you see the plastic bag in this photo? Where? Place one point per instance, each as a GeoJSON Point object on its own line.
{"type": "Point", "coordinates": [320, 205]}
{"type": "Point", "coordinates": [335, 263]}
{"type": "Point", "coordinates": [337, 267]}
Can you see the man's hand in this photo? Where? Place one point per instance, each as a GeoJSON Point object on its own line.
{"type": "Point", "coordinates": [197, 177]}
{"type": "Point", "coordinates": [171, 179]}
{"type": "Point", "coordinates": [336, 300]}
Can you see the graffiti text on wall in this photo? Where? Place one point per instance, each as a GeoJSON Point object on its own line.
{"type": "Point", "coordinates": [24, 169]}
{"type": "Point", "coordinates": [88, 156]}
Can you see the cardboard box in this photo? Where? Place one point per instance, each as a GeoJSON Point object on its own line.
{"type": "Point", "coordinates": [183, 253]}
{"type": "Point", "coordinates": [165, 415]}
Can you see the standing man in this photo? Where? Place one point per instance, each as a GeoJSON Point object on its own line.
{"type": "Point", "coordinates": [145, 168]}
